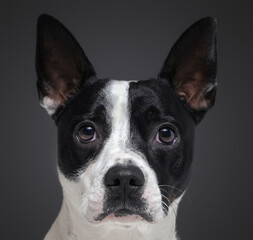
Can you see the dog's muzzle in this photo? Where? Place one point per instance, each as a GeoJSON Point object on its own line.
{"type": "Point", "coordinates": [124, 186]}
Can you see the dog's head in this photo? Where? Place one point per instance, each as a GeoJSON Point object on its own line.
{"type": "Point", "coordinates": [125, 148]}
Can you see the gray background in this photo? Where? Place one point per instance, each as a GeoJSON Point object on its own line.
{"type": "Point", "coordinates": [128, 40]}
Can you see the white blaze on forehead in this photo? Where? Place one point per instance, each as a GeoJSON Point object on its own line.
{"type": "Point", "coordinates": [118, 98]}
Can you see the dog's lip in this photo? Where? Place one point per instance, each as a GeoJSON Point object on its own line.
{"type": "Point", "coordinates": [123, 212]}
{"type": "Point", "coordinates": [123, 215]}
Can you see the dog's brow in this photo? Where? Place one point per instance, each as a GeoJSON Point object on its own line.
{"type": "Point", "coordinates": [152, 112]}
{"type": "Point", "coordinates": [101, 115]}
{"type": "Point", "coordinates": [78, 117]}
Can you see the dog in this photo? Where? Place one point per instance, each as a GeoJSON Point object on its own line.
{"type": "Point", "coordinates": [125, 147]}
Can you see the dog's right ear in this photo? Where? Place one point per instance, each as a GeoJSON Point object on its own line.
{"type": "Point", "coordinates": [61, 64]}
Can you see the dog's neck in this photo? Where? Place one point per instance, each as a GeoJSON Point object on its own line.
{"type": "Point", "coordinates": [70, 225]}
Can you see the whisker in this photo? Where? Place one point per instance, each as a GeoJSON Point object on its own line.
{"type": "Point", "coordinates": [169, 186]}
{"type": "Point", "coordinates": [173, 187]}
{"type": "Point", "coordinates": [164, 190]}
{"type": "Point", "coordinates": [170, 201]}
{"type": "Point", "coordinates": [169, 208]}
{"type": "Point", "coordinates": [173, 210]}
{"type": "Point", "coordinates": [165, 204]}
{"type": "Point", "coordinates": [169, 196]}
{"type": "Point", "coordinates": [165, 210]}
{"type": "Point", "coordinates": [166, 198]}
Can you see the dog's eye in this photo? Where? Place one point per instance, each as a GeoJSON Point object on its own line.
{"type": "Point", "coordinates": [166, 135]}
{"type": "Point", "coordinates": [86, 134]}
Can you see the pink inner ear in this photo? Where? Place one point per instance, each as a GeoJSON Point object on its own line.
{"type": "Point", "coordinates": [64, 78]}
{"type": "Point", "coordinates": [190, 89]}
{"type": "Point", "coordinates": [62, 90]}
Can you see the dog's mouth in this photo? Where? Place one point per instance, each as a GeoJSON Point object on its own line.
{"type": "Point", "coordinates": [123, 212]}
{"type": "Point", "coordinates": [123, 215]}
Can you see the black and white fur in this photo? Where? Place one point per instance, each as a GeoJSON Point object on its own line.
{"type": "Point", "coordinates": [124, 183]}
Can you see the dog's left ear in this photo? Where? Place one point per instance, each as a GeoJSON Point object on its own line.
{"type": "Point", "coordinates": [191, 66]}
{"type": "Point", "coordinates": [61, 64]}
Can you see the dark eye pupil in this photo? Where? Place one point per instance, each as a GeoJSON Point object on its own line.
{"type": "Point", "coordinates": [86, 133]}
{"type": "Point", "coordinates": [166, 135]}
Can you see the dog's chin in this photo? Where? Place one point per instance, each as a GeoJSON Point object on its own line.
{"type": "Point", "coordinates": [123, 220]}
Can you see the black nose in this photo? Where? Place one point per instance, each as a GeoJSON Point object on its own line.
{"type": "Point", "coordinates": [126, 180]}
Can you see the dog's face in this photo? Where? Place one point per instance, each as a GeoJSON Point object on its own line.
{"type": "Point", "coordinates": [125, 147]}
